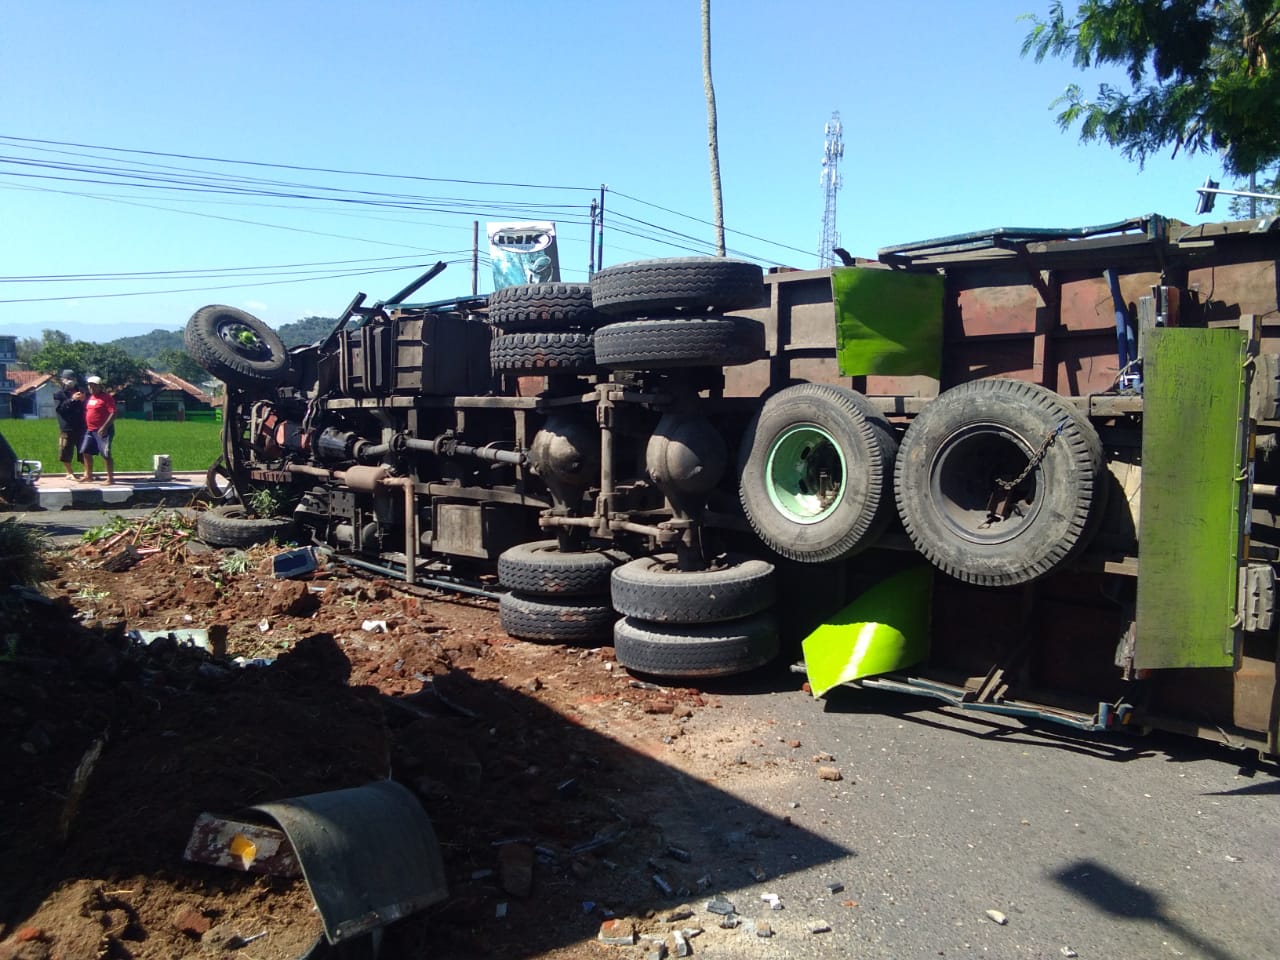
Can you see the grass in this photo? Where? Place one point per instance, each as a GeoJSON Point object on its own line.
{"type": "Point", "coordinates": [191, 446]}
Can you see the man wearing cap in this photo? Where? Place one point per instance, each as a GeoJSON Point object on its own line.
{"type": "Point", "coordinates": [68, 403]}
{"type": "Point", "coordinates": [100, 427]}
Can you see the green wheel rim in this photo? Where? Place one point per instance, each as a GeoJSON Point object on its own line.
{"type": "Point", "coordinates": [804, 474]}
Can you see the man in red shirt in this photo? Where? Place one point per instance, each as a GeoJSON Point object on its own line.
{"type": "Point", "coordinates": [100, 428]}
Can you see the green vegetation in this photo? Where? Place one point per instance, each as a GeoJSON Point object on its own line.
{"type": "Point", "coordinates": [191, 446]}
{"type": "Point", "coordinates": [1200, 73]}
{"type": "Point", "coordinates": [121, 361]}
{"type": "Point", "coordinates": [22, 550]}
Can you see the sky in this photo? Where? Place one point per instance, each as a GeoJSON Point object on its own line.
{"type": "Point", "coordinates": [282, 156]}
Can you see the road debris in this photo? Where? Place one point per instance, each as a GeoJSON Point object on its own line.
{"type": "Point", "coordinates": [618, 932]}
{"type": "Point", "coordinates": [720, 907]}
{"type": "Point", "coordinates": [995, 916]}
{"type": "Point", "coordinates": [830, 773]}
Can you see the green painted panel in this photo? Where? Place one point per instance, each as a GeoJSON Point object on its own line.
{"type": "Point", "coordinates": [887, 323]}
{"type": "Point", "coordinates": [1191, 533]}
{"type": "Point", "coordinates": [885, 629]}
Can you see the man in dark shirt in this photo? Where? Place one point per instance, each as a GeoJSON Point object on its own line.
{"type": "Point", "coordinates": [69, 405]}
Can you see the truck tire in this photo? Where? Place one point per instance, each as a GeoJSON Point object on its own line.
{"type": "Point", "coordinates": [697, 650]}
{"type": "Point", "coordinates": [988, 430]}
{"type": "Point", "coordinates": [539, 569]}
{"type": "Point", "coordinates": [674, 283]}
{"type": "Point", "coordinates": [544, 307]}
{"type": "Point", "coordinates": [571, 620]}
{"type": "Point", "coordinates": [230, 526]}
{"type": "Point", "coordinates": [540, 354]}
{"type": "Point", "coordinates": [655, 589]}
{"type": "Point", "coordinates": [815, 473]}
{"type": "Point", "coordinates": [236, 347]}
{"type": "Point", "coordinates": [684, 342]}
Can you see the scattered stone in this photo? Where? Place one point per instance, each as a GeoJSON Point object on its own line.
{"type": "Point", "coordinates": [720, 907]}
{"type": "Point", "coordinates": [819, 926]}
{"type": "Point", "coordinates": [730, 922]}
{"type": "Point", "coordinates": [823, 757]}
{"type": "Point", "coordinates": [191, 921]}
{"type": "Point", "coordinates": [675, 916]}
{"type": "Point", "coordinates": [28, 934]}
{"type": "Point", "coordinates": [829, 773]}
{"type": "Point", "coordinates": [794, 744]}
{"type": "Point", "coordinates": [290, 598]}
{"type": "Point", "coordinates": [703, 882]}
{"type": "Point", "coordinates": [758, 874]}
{"type": "Point", "coordinates": [658, 951]}
{"type": "Point", "coordinates": [848, 903]}
{"type": "Point", "coordinates": [500, 910]}
{"type": "Point", "coordinates": [515, 869]}
{"type": "Point", "coordinates": [1068, 952]}
{"type": "Point", "coordinates": [995, 916]}
{"type": "Point", "coordinates": [763, 929]}
{"type": "Point", "coordinates": [682, 948]}
{"type": "Point", "coordinates": [659, 706]}
{"type": "Point", "coordinates": [481, 874]}
{"type": "Point", "coordinates": [678, 853]}
{"type": "Point", "coordinates": [835, 887]}
{"type": "Point", "coordinates": [1231, 859]}
{"type": "Point", "coordinates": [663, 886]}
{"type": "Point", "coordinates": [617, 932]}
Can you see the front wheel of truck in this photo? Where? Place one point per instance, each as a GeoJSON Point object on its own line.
{"type": "Point", "coordinates": [236, 347]}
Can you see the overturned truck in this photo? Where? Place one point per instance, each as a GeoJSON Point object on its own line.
{"type": "Point", "coordinates": [1019, 471]}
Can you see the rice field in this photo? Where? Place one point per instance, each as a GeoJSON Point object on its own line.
{"type": "Point", "coordinates": [191, 446]}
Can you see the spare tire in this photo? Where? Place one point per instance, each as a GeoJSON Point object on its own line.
{"type": "Point", "coordinates": [543, 306]}
{"type": "Point", "coordinates": [236, 347]}
{"type": "Point", "coordinates": [955, 466]}
{"type": "Point", "coordinates": [815, 468]}
{"type": "Point", "coordinates": [230, 526]}
{"type": "Point", "coordinates": [675, 283]}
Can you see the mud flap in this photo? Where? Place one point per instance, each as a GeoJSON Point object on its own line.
{"type": "Point", "coordinates": [368, 854]}
{"type": "Point", "coordinates": [883, 630]}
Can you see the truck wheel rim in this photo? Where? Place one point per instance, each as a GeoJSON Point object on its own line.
{"type": "Point", "coordinates": [805, 473]}
{"type": "Point", "coordinates": [962, 479]}
{"type": "Point", "coordinates": [243, 340]}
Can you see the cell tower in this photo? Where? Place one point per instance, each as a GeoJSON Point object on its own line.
{"type": "Point", "coordinates": [832, 151]}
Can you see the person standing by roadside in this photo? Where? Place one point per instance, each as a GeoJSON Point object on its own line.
{"type": "Point", "coordinates": [68, 403]}
{"type": "Point", "coordinates": [100, 428]}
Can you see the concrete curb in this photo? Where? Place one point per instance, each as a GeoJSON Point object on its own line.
{"type": "Point", "coordinates": [58, 493]}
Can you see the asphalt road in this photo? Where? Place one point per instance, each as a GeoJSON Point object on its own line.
{"type": "Point", "coordinates": [1121, 849]}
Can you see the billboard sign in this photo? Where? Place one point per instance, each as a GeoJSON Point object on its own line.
{"type": "Point", "coordinates": [523, 253]}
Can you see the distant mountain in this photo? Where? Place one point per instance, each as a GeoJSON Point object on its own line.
{"type": "Point", "coordinates": [307, 330]}
{"type": "Point", "coordinates": [148, 346]}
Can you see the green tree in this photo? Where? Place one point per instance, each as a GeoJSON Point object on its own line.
{"type": "Point", "coordinates": [180, 364]}
{"type": "Point", "coordinates": [1200, 72]}
{"type": "Point", "coordinates": [116, 368]}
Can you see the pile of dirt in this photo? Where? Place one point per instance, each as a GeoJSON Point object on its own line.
{"type": "Point", "coordinates": [533, 762]}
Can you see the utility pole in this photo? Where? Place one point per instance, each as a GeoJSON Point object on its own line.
{"type": "Point", "coordinates": [832, 151]}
